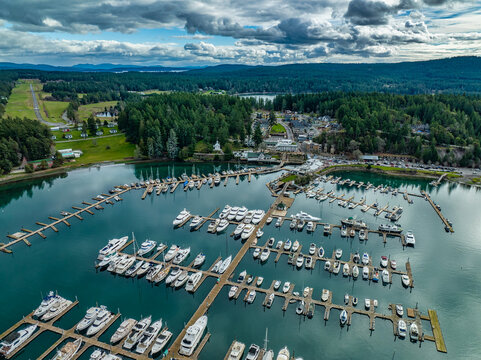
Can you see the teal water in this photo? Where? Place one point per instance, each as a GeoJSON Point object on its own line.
{"type": "Point", "coordinates": [445, 266]}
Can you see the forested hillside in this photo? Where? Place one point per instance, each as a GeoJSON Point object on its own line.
{"type": "Point", "coordinates": [456, 75]}
{"type": "Point", "coordinates": [169, 123]}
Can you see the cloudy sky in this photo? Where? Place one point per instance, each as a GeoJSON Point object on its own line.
{"type": "Point", "coordinates": [195, 32]}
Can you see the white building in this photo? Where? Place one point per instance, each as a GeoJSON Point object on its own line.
{"type": "Point", "coordinates": [286, 145]}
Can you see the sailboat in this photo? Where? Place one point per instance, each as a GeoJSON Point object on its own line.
{"type": "Point", "coordinates": [268, 354]}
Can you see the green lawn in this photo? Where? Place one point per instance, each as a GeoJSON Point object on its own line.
{"type": "Point", "coordinates": [155, 91]}
{"type": "Point", "coordinates": [96, 150]}
{"type": "Point", "coordinates": [20, 103]}
{"type": "Point", "coordinates": [84, 111]}
{"type": "Point", "coordinates": [278, 128]}
{"type": "Point", "coordinates": [55, 109]}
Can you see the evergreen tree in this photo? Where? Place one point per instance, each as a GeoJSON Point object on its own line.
{"type": "Point", "coordinates": [257, 137]}
{"type": "Point", "coordinates": [172, 144]}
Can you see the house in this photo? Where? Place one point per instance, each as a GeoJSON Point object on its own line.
{"type": "Point", "coordinates": [111, 125]}
{"type": "Point", "coordinates": [310, 147]}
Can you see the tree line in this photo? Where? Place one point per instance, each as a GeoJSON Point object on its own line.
{"type": "Point", "coordinates": [22, 138]}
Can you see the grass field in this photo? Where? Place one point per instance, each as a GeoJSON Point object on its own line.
{"type": "Point", "coordinates": [84, 111]}
{"type": "Point", "coordinates": [55, 109]}
{"type": "Point", "coordinates": [20, 103]}
{"type": "Point", "coordinates": [97, 150]}
{"type": "Point", "coordinates": [149, 92]}
{"type": "Point", "coordinates": [278, 128]}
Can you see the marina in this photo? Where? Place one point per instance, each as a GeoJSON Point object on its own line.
{"type": "Point", "coordinates": [215, 284]}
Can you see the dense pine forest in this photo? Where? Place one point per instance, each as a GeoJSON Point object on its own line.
{"type": "Point", "coordinates": [174, 123]}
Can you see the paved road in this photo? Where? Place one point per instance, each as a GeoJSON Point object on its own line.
{"type": "Point", "coordinates": [290, 135]}
{"type": "Point", "coordinates": [37, 109]}
{"type": "Point", "coordinates": [92, 138]}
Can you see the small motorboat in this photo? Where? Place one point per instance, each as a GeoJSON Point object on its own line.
{"type": "Point", "coordinates": [338, 253]}
{"type": "Point", "coordinates": [343, 317]}
{"type": "Point", "coordinates": [232, 291]}
{"type": "Point", "coordinates": [270, 242]}
{"type": "Point", "coordinates": [346, 299]}
{"type": "Point", "coordinates": [256, 253]}
{"type": "Point", "coordinates": [300, 307]}
{"type": "Point", "coordinates": [356, 258]}
{"type": "Point", "coordinates": [354, 301]}
{"type": "Point", "coordinates": [384, 261]}
{"type": "Point", "coordinates": [312, 249]}
{"type": "Point", "coordinates": [300, 261]}
{"type": "Point", "coordinates": [199, 260]}
{"type": "Point", "coordinates": [320, 252]}
{"type": "Point", "coordinates": [401, 329]}
{"type": "Point", "coordinates": [355, 271]}
{"type": "Point", "coordinates": [308, 262]}
{"type": "Point", "coordinates": [327, 265]}
{"type": "Point", "coordinates": [265, 254]}
{"type": "Point", "coordinates": [269, 220]}
{"type": "Point", "coordinates": [337, 267]}
{"type": "Point", "coordinates": [393, 264]}
{"type": "Point", "coordinates": [325, 295]}
{"type": "Point", "coordinates": [367, 304]}
{"type": "Point", "coordinates": [345, 269]}
{"type": "Point", "coordinates": [146, 247]}
{"type": "Point", "coordinates": [277, 285]}
{"type": "Point", "coordinates": [279, 245]}
{"type": "Point", "coordinates": [287, 245]}
{"type": "Point", "coordinates": [242, 276]}
{"type": "Point", "coordinates": [399, 310]}
{"type": "Point", "coordinates": [365, 258]}
{"type": "Point", "coordinates": [405, 280]}
{"type": "Point", "coordinates": [270, 300]}
{"type": "Point", "coordinates": [375, 275]}
{"type": "Point", "coordinates": [251, 297]}
{"type": "Point", "coordinates": [286, 287]}
{"type": "Point", "coordinates": [259, 281]}
{"type": "Point", "coordinates": [385, 276]}
{"type": "Point", "coordinates": [295, 246]}
{"type": "Point", "coordinates": [365, 273]}
{"type": "Point", "coordinates": [414, 332]}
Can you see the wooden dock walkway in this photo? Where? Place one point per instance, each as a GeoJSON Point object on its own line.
{"type": "Point", "coordinates": [447, 225]}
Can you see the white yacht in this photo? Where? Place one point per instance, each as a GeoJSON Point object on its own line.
{"type": "Point", "coordinates": [365, 258]}
{"type": "Point", "coordinates": [107, 260]}
{"type": "Point", "coordinates": [146, 266]}
{"type": "Point", "coordinates": [362, 234]}
{"type": "Point", "coordinates": [287, 245]}
{"type": "Point", "coordinates": [367, 304]}
{"type": "Point", "coordinates": [312, 249]}
{"type": "Point", "coordinates": [225, 264]}
{"type": "Point", "coordinates": [173, 276]}
{"type": "Point", "coordinates": [182, 279]}
{"type": "Point", "coordinates": [295, 246]}
{"type": "Point", "coordinates": [336, 268]}
{"type": "Point", "coordinates": [123, 265]}
{"type": "Point", "coordinates": [97, 355]}
{"type": "Point", "coordinates": [195, 222]}
{"type": "Point", "coordinates": [405, 280]}
{"type": "Point", "coordinates": [112, 247]}
{"type": "Point", "coordinates": [241, 214]}
{"type": "Point", "coordinates": [327, 265]}
{"type": "Point", "coordinates": [148, 336]}
{"type": "Point", "coordinates": [46, 304]}
{"type": "Point", "coordinates": [199, 260]}
{"type": "Point", "coordinates": [161, 275]}
{"type": "Point", "coordinates": [338, 253]}
{"type": "Point", "coordinates": [277, 285]}
{"type": "Point", "coordinates": [123, 330]}
{"type": "Point", "coordinates": [320, 252]}
{"type": "Point", "coordinates": [137, 332]}
{"type": "Point", "coordinates": [60, 305]}
{"type": "Point", "coordinates": [259, 281]}
{"type": "Point", "coordinates": [11, 342]}
{"type": "Point", "coordinates": [300, 261]}
{"type": "Point", "coordinates": [103, 317]}
{"type": "Point", "coordinates": [183, 216]}
{"type": "Point", "coordinates": [181, 255]}
{"type": "Point", "coordinates": [242, 276]}
{"type": "Point", "coordinates": [88, 319]}
{"type": "Point", "coordinates": [247, 232]}
{"type": "Point", "coordinates": [153, 272]}
{"type": "Point", "coordinates": [286, 287]}
{"type": "Point", "coordinates": [213, 225]}
{"type": "Point", "coordinates": [270, 300]}
{"type": "Point", "coordinates": [174, 249]}
{"type": "Point", "coordinates": [343, 317]}
{"type": "Point", "coordinates": [233, 213]}
{"type": "Point", "coordinates": [146, 247]}
{"type": "Point", "coordinates": [253, 352]}
{"type": "Point", "coordinates": [410, 239]}
{"type": "Point", "coordinates": [305, 216]}
{"type": "Point", "coordinates": [258, 215]}
{"type": "Point", "coordinates": [225, 212]}
{"type": "Point", "coordinates": [193, 280]}
{"type": "Point", "coordinates": [68, 351]}
{"type": "Point", "coordinates": [239, 229]}
{"type": "Point", "coordinates": [223, 224]}
{"type": "Point", "coordinates": [265, 254]}
{"type": "Point", "coordinates": [269, 220]}
{"type": "Point", "coordinates": [160, 342]}
{"type": "Point", "coordinates": [278, 222]}
{"type": "Point", "coordinates": [345, 269]}
{"type": "Point", "coordinates": [249, 216]}
{"type": "Point", "coordinates": [390, 228]}
{"type": "Point", "coordinates": [237, 351]}
{"type": "Point", "coordinates": [355, 271]}
{"type": "Point", "coordinates": [385, 276]}
{"type": "Point", "coordinates": [283, 354]}
{"type": "Point", "coordinates": [192, 336]}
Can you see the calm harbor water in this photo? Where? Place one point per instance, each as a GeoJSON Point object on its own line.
{"type": "Point", "coordinates": [446, 267]}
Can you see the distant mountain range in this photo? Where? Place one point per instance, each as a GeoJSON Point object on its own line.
{"type": "Point", "coordinates": [92, 67]}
